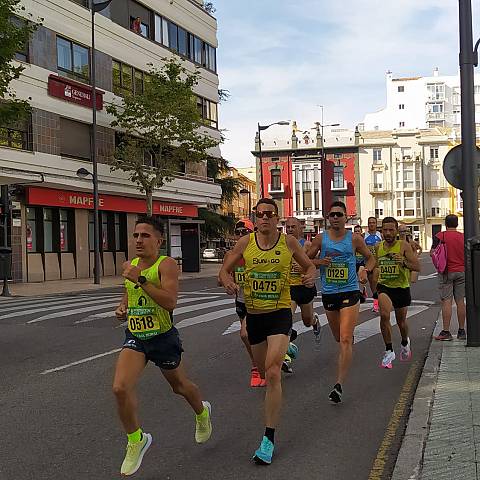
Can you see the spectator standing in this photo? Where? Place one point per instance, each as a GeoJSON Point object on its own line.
{"type": "Point", "coordinates": [452, 282]}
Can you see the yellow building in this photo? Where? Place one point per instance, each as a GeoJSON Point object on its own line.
{"type": "Point", "coordinates": [240, 208]}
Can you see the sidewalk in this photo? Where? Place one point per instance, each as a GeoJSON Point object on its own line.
{"type": "Point", "coordinates": [442, 439]}
{"type": "Point", "coordinates": [83, 284]}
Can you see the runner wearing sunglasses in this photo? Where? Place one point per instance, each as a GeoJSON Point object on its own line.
{"type": "Point", "coordinates": [268, 257]}
{"type": "Point", "coordinates": [338, 278]}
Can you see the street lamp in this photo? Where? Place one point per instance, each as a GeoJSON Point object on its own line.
{"type": "Point", "coordinates": [245, 191]}
{"type": "Point", "coordinates": [260, 128]}
{"type": "Point", "coordinates": [84, 173]}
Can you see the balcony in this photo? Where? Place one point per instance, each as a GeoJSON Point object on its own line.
{"type": "Point", "coordinates": [437, 187]}
{"type": "Point", "coordinates": [410, 158]}
{"type": "Point", "coordinates": [380, 188]}
{"type": "Point", "coordinates": [438, 212]}
{"type": "Point", "coordinates": [276, 189]}
{"type": "Point", "coordinates": [308, 214]}
{"type": "Point", "coordinates": [339, 186]}
{"type": "Point", "coordinates": [376, 165]}
{"type": "Point", "coordinates": [435, 116]}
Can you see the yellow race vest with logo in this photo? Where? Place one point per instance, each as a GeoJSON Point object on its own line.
{"type": "Point", "coordinates": [392, 274]}
{"type": "Point", "coordinates": [267, 274]}
{"type": "Point", "coordinates": [145, 318]}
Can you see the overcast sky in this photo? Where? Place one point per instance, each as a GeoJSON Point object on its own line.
{"type": "Point", "coordinates": [280, 59]}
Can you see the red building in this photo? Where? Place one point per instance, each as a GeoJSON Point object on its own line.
{"type": "Point", "coordinates": [292, 172]}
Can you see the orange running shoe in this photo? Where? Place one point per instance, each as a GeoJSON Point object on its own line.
{"type": "Point", "coordinates": [255, 379]}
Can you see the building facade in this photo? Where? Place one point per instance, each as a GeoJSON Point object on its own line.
{"type": "Point", "coordinates": [401, 176]}
{"type": "Point", "coordinates": [51, 230]}
{"type": "Point", "coordinates": [241, 206]}
{"type": "Point", "coordinates": [292, 172]}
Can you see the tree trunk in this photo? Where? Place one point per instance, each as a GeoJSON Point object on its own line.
{"type": "Point", "coordinates": [149, 194]}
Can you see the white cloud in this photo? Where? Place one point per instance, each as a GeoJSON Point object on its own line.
{"type": "Point", "coordinates": [282, 59]}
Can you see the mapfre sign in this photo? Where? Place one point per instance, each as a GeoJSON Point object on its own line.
{"type": "Point", "coordinates": [49, 197]}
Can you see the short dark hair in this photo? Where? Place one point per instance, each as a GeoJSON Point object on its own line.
{"type": "Point", "coordinates": [267, 201]}
{"type": "Point", "coordinates": [390, 220]}
{"type": "Point", "coordinates": [152, 221]}
{"type": "Point", "coordinates": [451, 221]}
{"type": "Point", "coordinates": [340, 204]}
{"type": "Point", "coordinates": [372, 218]}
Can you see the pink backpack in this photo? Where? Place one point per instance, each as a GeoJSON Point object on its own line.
{"type": "Point", "coordinates": [439, 256]}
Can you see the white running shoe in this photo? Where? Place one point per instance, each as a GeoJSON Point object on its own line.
{"type": "Point", "coordinates": [388, 358]}
{"type": "Point", "coordinates": [405, 352]}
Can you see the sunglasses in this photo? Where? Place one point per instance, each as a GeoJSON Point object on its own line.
{"type": "Point", "coordinates": [268, 213]}
{"type": "Point", "coordinates": [336, 214]}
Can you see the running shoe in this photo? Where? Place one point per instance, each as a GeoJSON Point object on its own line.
{"type": "Point", "coordinates": [317, 329]}
{"type": "Point", "coordinates": [292, 351]}
{"type": "Point", "coordinates": [287, 364]}
{"type": "Point", "coordinates": [134, 456]}
{"type": "Point", "coordinates": [375, 305]}
{"type": "Point", "coordinates": [336, 394]}
{"type": "Point", "coordinates": [203, 427]}
{"type": "Point", "coordinates": [388, 358]}
{"type": "Point", "coordinates": [405, 352]}
{"type": "Point", "coordinates": [255, 377]}
{"type": "Point", "coordinates": [461, 335]}
{"type": "Point", "coordinates": [263, 382]}
{"type": "Point", "coordinates": [444, 336]}
{"type": "Point", "coordinates": [263, 456]}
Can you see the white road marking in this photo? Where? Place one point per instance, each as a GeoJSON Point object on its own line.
{"type": "Point", "coordinates": [207, 317]}
{"type": "Point", "coordinates": [202, 306]}
{"type": "Point", "coordinates": [71, 312]}
{"type": "Point", "coordinates": [79, 362]}
{"type": "Point", "coordinates": [427, 277]}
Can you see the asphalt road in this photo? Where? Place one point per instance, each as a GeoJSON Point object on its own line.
{"type": "Point", "coordinates": [59, 419]}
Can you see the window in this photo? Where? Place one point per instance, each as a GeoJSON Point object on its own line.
{"type": "Point", "coordinates": [72, 59]}
{"type": "Point", "coordinates": [436, 91]}
{"type": "Point", "coordinates": [22, 53]}
{"type": "Point", "coordinates": [401, 124]}
{"type": "Point", "coordinates": [137, 26]}
{"type": "Point", "coordinates": [338, 179]}
{"type": "Point", "coordinates": [182, 42]}
{"type": "Point", "coordinates": [337, 156]}
{"type": "Point", "coordinates": [209, 57]}
{"type": "Point", "coordinates": [15, 137]}
{"type": "Point", "coordinates": [173, 36]}
{"type": "Point", "coordinates": [400, 89]}
{"type": "Point", "coordinates": [275, 179]}
{"type": "Point", "coordinates": [198, 51]}
{"type": "Point", "coordinates": [401, 106]}
{"type": "Point", "coordinates": [158, 29]}
{"type": "Point", "coordinates": [307, 199]}
{"type": "Point", "coordinates": [435, 211]}
{"type": "Point", "coordinates": [379, 212]}
{"type": "Point", "coordinates": [435, 108]}
{"type": "Point", "coordinates": [208, 111]}
{"type": "Point", "coordinates": [74, 139]}
{"type": "Point", "coordinates": [409, 205]}
{"type": "Point", "coordinates": [433, 153]}
{"type": "Point", "coordinates": [377, 156]}
{"type": "Point", "coordinates": [48, 230]}
{"type": "Point", "coordinates": [127, 79]}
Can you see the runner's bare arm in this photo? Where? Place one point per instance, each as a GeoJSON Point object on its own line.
{"type": "Point", "coordinates": [227, 254]}
{"type": "Point", "coordinates": [166, 295]}
{"type": "Point", "coordinates": [229, 262]}
{"type": "Point", "coordinates": [308, 278]}
{"type": "Point", "coordinates": [121, 311]}
{"type": "Point", "coordinates": [361, 247]}
{"type": "Point", "coordinates": [411, 258]}
{"type": "Point", "coordinates": [314, 249]}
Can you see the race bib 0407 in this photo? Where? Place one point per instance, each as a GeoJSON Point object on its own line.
{"type": "Point", "coordinates": [389, 270]}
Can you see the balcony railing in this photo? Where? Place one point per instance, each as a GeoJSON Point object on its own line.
{"type": "Point", "coordinates": [437, 187]}
{"type": "Point", "coordinates": [276, 188]}
{"type": "Point", "coordinates": [380, 188]}
{"type": "Point", "coordinates": [338, 186]}
{"type": "Point", "coordinates": [438, 213]}
{"type": "Point", "coordinates": [308, 213]}
{"type": "Point", "coordinates": [435, 116]}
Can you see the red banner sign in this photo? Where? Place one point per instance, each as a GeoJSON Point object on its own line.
{"type": "Point", "coordinates": [74, 92]}
{"type": "Point", "coordinates": [49, 197]}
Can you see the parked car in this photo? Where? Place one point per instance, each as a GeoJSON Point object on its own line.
{"type": "Point", "coordinates": [209, 253]}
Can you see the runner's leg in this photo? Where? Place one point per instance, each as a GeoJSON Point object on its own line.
{"type": "Point", "coordinates": [244, 337]}
{"type": "Point", "coordinates": [386, 306]}
{"type": "Point", "coordinates": [401, 317]}
{"type": "Point", "coordinates": [348, 320]}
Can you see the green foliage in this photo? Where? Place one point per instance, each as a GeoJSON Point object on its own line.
{"type": "Point", "coordinates": [217, 168]}
{"type": "Point", "coordinates": [215, 225]}
{"type": "Point", "coordinates": [14, 34]}
{"type": "Point", "coordinates": [161, 128]}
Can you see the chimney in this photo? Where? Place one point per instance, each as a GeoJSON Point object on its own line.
{"type": "Point", "coordinates": [435, 72]}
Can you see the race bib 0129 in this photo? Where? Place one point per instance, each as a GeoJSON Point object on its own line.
{"type": "Point", "coordinates": [337, 273]}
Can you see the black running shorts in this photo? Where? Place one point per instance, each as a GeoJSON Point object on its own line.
{"type": "Point", "coordinates": [400, 297]}
{"type": "Point", "coordinates": [164, 350]}
{"type": "Point", "coordinates": [263, 325]}
{"type": "Point", "coordinates": [241, 309]}
{"type": "Point", "coordinates": [337, 301]}
{"type": "Point", "coordinates": [302, 295]}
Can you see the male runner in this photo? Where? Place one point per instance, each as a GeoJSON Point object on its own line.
{"type": "Point", "coordinates": [395, 260]}
{"type": "Point", "coordinates": [301, 295]}
{"type": "Point", "coordinates": [268, 257]}
{"type": "Point", "coordinates": [404, 234]}
{"type": "Point", "coordinates": [151, 289]}
{"type": "Point", "coordinates": [244, 227]}
{"type": "Point", "coordinates": [340, 293]}
{"type": "Point", "coordinates": [372, 237]}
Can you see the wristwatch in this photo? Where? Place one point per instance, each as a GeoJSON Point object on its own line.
{"type": "Point", "coordinates": [141, 280]}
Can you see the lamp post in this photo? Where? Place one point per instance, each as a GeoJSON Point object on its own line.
{"type": "Point", "coordinates": [84, 173]}
{"type": "Point", "coordinates": [245, 191]}
{"type": "Point", "coordinates": [260, 128]}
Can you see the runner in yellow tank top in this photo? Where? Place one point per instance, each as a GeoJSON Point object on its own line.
{"type": "Point", "coordinates": [151, 290]}
{"type": "Point", "coordinates": [395, 260]}
{"type": "Point", "coordinates": [268, 256]}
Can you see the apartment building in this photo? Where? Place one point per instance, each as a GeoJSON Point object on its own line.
{"type": "Point", "coordinates": [242, 206]}
{"type": "Point", "coordinates": [51, 232]}
{"type": "Point", "coordinates": [401, 176]}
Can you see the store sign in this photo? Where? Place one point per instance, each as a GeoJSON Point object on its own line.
{"type": "Point", "coordinates": [49, 197]}
{"type": "Point", "coordinates": [74, 92]}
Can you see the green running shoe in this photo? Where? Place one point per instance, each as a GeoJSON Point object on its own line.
{"type": "Point", "coordinates": [134, 456]}
{"type": "Point", "coordinates": [203, 427]}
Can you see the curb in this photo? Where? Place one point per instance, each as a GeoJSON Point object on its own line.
{"type": "Point", "coordinates": [408, 465]}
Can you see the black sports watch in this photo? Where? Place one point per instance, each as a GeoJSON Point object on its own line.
{"type": "Point", "coordinates": [141, 281]}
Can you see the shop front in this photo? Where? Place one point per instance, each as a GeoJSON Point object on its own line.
{"type": "Point", "coordinates": [59, 233]}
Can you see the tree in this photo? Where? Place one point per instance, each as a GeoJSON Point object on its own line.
{"type": "Point", "coordinates": [161, 129]}
{"type": "Point", "coordinates": [217, 168]}
{"type": "Point", "coordinates": [14, 35]}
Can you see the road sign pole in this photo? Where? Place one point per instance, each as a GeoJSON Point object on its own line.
{"type": "Point", "coordinates": [469, 164]}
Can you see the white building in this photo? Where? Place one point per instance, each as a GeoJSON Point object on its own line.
{"type": "Point", "coordinates": [401, 176]}
{"type": "Point", "coordinates": [421, 102]}
{"type": "Point", "coordinates": [52, 227]}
